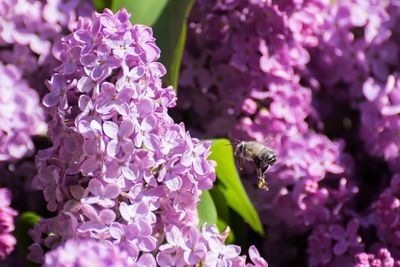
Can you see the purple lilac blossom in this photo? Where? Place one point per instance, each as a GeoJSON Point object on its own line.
{"type": "Point", "coordinates": [120, 170]}
{"type": "Point", "coordinates": [7, 214]}
{"type": "Point", "coordinates": [242, 78]}
{"type": "Point", "coordinates": [356, 67]}
{"type": "Point", "coordinates": [20, 115]}
{"type": "Point", "coordinates": [282, 69]}
{"type": "Point", "coordinates": [244, 57]}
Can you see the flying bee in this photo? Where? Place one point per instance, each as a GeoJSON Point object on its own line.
{"type": "Point", "coordinates": [262, 156]}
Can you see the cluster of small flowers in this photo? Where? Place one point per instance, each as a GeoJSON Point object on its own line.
{"type": "Point", "coordinates": [357, 63]}
{"type": "Point", "coordinates": [243, 69]}
{"type": "Point", "coordinates": [356, 66]}
{"type": "Point", "coordinates": [29, 29]}
{"type": "Point", "coordinates": [120, 170]}
{"type": "Point", "coordinates": [245, 75]}
{"type": "Point", "coordinates": [89, 252]}
{"type": "Point", "coordinates": [244, 57]}
{"type": "Point", "coordinates": [20, 115]}
{"type": "Point", "coordinates": [7, 214]}
{"type": "Point", "coordinates": [381, 259]}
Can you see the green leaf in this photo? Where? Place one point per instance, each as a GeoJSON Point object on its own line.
{"type": "Point", "coordinates": [168, 20]}
{"type": "Point", "coordinates": [144, 12]}
{"type": "Point", "coordinates": [23, 224]}
{"type": "Point", "coordinates": [223, 211]}
{"type": "Point", "coordinates": [100, 5]}
{"type": "Point", "coordinates": [230, 184]}
{"type": "Point", "coordinates": [206, 209]}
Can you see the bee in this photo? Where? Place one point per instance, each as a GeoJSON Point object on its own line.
{"type": "Point", "coordinates": [262, 156]}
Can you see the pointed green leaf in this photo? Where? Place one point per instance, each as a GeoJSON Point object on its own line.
{"type": "Point", "coordinates": [168, 20]}
{"type": "Point", "coordinates": [223, 211]}
{"type": "Point", "coordinates": [100, 5]}
{"type": "Point", "coordinates": [206, 209]}
{"type": "Point", "coordinates": [231, 186]}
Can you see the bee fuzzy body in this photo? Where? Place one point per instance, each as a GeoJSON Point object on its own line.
{"type": "Point", "coordinates": [262, 156]}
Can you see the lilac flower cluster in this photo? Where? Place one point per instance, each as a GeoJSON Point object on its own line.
{"type": "Point", "coordinates": [293, 71]}
{"type": "Point", "coordinates": [28, 30]}
{"type": "Point", "coordinates": [177, 252]}
{"type": "Point", "coordinates": [360, 53]}
{"type": "Point", "coordinates": [244, 57]}
{"type": "Point", "coordinates": [120, 170]}
{"type": "Point", "coordinates": [382, 258]}
{"type": "Point", "coordinates": [356, 66]}
{"type": "Point", "coordinates": [7, 214]}
{"type": "Point", "coordinates": [20, 115]}
{"type": "Point", "coordinates": [244, 68]}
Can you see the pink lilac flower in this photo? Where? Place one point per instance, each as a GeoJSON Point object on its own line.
{"type": "Point", "coordinates": [20, 115]}
{"type": "Point", "coordinates": [7, 214]}
{"type": "Point", "coordinates": [120, 170]}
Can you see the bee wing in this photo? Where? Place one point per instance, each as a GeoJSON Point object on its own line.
{"type": "Point", "coordinates": [270, 140]}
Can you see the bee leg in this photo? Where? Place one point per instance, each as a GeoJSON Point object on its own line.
{"type": "Point", "coordinates": [240, 163]}
{"type": "Point", "coordinates": [261, 180]}
{"type": "Point", "coordinates": [260, 173]}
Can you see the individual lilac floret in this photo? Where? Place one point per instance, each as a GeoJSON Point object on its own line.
{"type": "Point", "coordinates": [380, 259]}
{"type": "Point", "coordinates": [20, 115]}
{"type": "Point", "coordinates": [7, 214]}
{"type": "Point", "coordinates": [120, 170]}
{"type": "Point", "coordinates": [85, 253]}
{"type": "Point", "coordinates": [257, 260]}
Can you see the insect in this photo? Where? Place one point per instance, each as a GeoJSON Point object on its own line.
{"type": "Point", "coordinates": [262, 156]}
